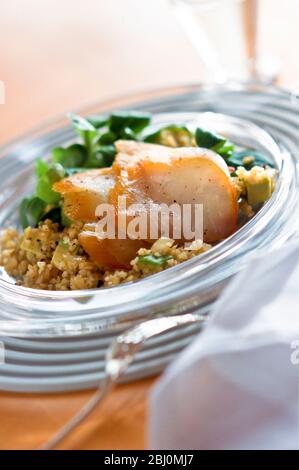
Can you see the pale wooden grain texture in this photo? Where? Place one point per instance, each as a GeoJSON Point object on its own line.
{"type": "Point", "coordinates": [27, 421]}
{"type": "Point", "coordinates": [56, 55]}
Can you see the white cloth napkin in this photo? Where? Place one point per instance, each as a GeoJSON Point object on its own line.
{"type": "Point", "coordinates": [237, 385]}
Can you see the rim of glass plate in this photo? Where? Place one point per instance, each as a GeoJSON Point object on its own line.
{"type": "Point", "coordinates": [142, 92]}
{"type": "Point", "coordinates": [225, 246]}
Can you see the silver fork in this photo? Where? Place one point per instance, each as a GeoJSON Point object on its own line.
{"type": "Point", "coordinates": [119, 356]}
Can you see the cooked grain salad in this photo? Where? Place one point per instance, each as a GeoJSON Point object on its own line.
{"type": "Point", "coordinates": [58, 248]}
{"type": "Point", "coordinates": [59, 263]}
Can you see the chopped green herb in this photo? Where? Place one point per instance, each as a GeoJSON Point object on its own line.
{"type": "Point", "coordinates": [151, 260]}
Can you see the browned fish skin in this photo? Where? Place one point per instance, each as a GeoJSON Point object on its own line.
{"type": "Point", "coordinates": [83, 192]}
{"type": "Point", "coordinates": [148, 174]}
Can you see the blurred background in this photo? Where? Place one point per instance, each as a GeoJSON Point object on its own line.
{"type": "Point", "coordinates": [57, 55]}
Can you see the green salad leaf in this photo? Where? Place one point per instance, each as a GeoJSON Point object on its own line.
{"type": "Point", "coordinates": [53, 214]}
{"type": "Point", "coordinates": [57, 215]}
{"type": "Point", "coordinates": [97, 121]}
{"type": "Point", "coordinates": [96, 149]}
{"type": "Point", "coordinates": [99, 134]}
{"type": "Point", "coordinates": [47, 176]}
{"type": "Point", "coordinates": [102, 157]}
{"type": "Point", "coordinates": [208, 140]}
{"type": "Point", "coordinates": [136, 121]}
{"type": "Point", "coordinates": [173, 134]}
{"type": "Point", "coordinates": [65, 221]}
{"type": "Point", "coordinates": [107, 138]}
{"type": "Point", "coordinates": [87, 131]}
{"type": "Point", "coordinates": [82, 125]}
{"type": "Point", "coordinates": [31, 210]}
{"type": "Point", "coordinates": [73, 156]}
{"type": "Point", "coordinates": [108, 152]}
{"type": "Point", "coordinates": [248, 159]}
{"type": "Point", "coordinates": [215, 142]}
{"type": "Point", "coordinates": [128, 134]}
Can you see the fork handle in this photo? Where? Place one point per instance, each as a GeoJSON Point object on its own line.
{"type": "Point", "coordinates": [119, 356]}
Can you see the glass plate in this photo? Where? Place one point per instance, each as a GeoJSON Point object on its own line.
{"type": "Point", "coordinates": [265, 118]}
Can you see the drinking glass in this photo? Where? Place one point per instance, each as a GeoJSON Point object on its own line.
{"type": "Point", "coordinates": [225, 35]}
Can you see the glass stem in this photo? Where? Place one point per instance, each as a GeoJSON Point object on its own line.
{"type": "Point", "coordinates": [250, 15]}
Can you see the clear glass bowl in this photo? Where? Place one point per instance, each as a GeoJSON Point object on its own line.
{"type": "Point", "coordinates": [265, 118]}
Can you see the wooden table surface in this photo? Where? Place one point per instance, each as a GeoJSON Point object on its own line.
{"type": "Point", "coordinates": [57, 55]}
